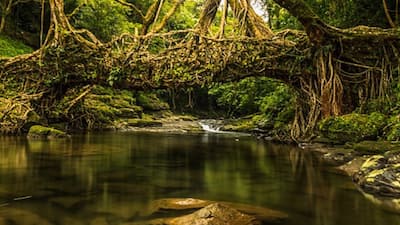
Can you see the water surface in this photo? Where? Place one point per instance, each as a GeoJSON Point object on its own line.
{"type": "Point", "coordinates": [110, 178]}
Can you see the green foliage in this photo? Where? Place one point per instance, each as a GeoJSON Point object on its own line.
{"type": "Point", "coordinates": [353, 127]}
{"type": "Point", "coordinates": [185, 17]}
{"type": "Point", "coordinates": [104, 18]}
{"type": "Point", "coordinates": [340, 13]}
{"type": "Point", "coordinates": [11, 48]}
{"type": "Point", "coordinates": [243, 97]}
{"type": "Point", "coordinates": [270, 101]}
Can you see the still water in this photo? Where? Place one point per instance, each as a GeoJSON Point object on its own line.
{"type": "Point", "coordinates": [110, 178]}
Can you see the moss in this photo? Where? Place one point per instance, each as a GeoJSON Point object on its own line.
{"type": "Point", "coordinates": [374, 147]}
{"type": "Point", "coordinates": [144, 123]}
{"type": "Point", "coordinates": [11, 48]}
{"type": "Point", "coordinates": [151, 102]}
{"type": "Point", "coordinates": [38, 131]}
{"type": "Point", "coordinates": [392, 132]}
{"type": "Point", "coordinates": [239, 125]}
{"type": "Point", "coordinates": [353, 127]}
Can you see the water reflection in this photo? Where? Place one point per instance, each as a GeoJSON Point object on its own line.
{"type": "Point", "coordinates": [111, 178]}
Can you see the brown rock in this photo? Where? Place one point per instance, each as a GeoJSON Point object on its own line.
{"type": "Point", "coordinates": [352, 167]}
{"type": "Point", "coordinates": [215, 214]}
{"type": "Point", "coordinates": [261, 213]}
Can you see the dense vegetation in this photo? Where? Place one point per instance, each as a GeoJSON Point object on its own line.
{"type": "Point", "coordinates": [261, 103]}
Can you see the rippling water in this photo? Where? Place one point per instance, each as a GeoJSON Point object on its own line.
{"type": "Point", "coordinates": [110, 178]}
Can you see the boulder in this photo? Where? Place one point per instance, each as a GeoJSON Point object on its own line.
{"type": "Point", "coordinates": [184, 204]}
{"type": "Point", "coordinates": [215, 214]}
{"type": "Point", "coordinates": [41, 132]}
{"type": "Point", "coordinates": [380, 175]}
{"type": "Point", "coordinates": [353, 127]}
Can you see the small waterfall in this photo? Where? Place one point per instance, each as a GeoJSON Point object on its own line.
{"type": "Point", "coordinates": [212, 126]}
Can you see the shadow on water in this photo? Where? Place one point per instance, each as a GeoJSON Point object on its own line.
{"type": "Point", "coordinates": [111, 178]}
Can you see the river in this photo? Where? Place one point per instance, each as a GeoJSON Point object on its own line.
{"type": "Point", "coordinates": [110, 178]}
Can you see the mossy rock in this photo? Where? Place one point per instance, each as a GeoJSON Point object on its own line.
{"type": "Point", "coordinates": [151, 102]}
{"type": "Point", "coordinates": [353, 127]}
{"type": "Point", "coordinates": [131, 112]}
{"type": "Point", "coordinates": [379, 176]}
{"type": "Point", "coordinates": [144, 123]}
{"type": "Point", "coordinates": [239, 125]}
{"type": "Point", "coordinates": [41, 132]}
{"type": "Point", "coordinates": [392, 132]}
{"type": "Point", "coordinates": [374, 147]}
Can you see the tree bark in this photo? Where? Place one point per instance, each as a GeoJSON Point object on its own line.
{"type": "Point", "coordinates": [387, 14]}
{"type": "Point", "coordinates": [207, 15]}
{"type": "Point", "coordinates": [223, 20]}
{"type": "Point", "coordinates": [254, 24]}
{"type": "Point", "coordinates": [6, 9]}
{"type": "Point", "coordinates": [150, 17]}
{"type": "Point", "coordinates": [3, 23]}
{"type": "Point", "coordinates": [169, 14]}
{"type": "Point", "coordinates": [315, 28]}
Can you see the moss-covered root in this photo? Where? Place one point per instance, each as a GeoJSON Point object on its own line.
{"type": "Point", "coordinates": [41, 132]}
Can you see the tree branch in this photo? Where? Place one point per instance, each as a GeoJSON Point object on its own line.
{"type": "Point", "coordinates": [389, 18]}
{"type": "Point", "coordinates": [150, 16]}
{"type": "Point", "coordinates": [170, 13]}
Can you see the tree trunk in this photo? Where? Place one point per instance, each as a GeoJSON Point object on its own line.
{"type": "Point", "coordinates": [6, 11]}
{"type": "Point", "coordinates": [165, 19]}
{"type": "Point", "coordinates": [2, 23]}
{"type": "Point", "coordinates": [316, 29]}
{"type": "Point", "coordinates": [253, 23]}
{"type": "Point", "coordinates": [223, 20]}
{"type": "Point", "coordinates": [207, 15]}
{"type": "Point", "coordinates": [150, 17]}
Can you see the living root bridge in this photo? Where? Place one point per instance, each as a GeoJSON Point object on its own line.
{"type": "Point", "coordinates": [171, 60]}
{"type": "Point", "coordinates": [359, 65]}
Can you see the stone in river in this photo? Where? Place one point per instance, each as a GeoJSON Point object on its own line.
{"type": "Point", "coordinates": [380, 175]}
{"type": "Point", "coordinates": [182, 204]}
{"type": "Point", "coordinates": [215, 214]}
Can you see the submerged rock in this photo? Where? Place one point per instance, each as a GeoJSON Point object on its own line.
{"type": "Point", "coordinates": [338, 157]}
{"type": "Point", "coordinates": [380, 175]}
{"type": "Point", "coordinates": [41, 132]}
{"type": "Point", "coordinates": [185, 204]}
{"type": "Point", "coordinates": [215, 214]}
